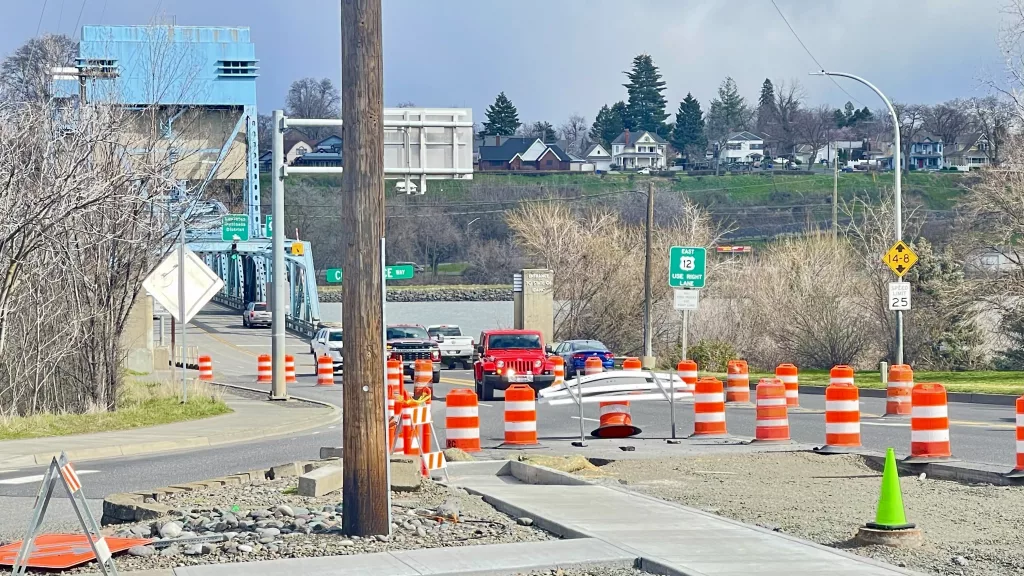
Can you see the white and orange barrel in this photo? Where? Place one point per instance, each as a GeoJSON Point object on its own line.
{"type": "Point", "coordinates": [558, 369]}
{"type": "Point", "coordinates": [205, 368]}
{"type": "Point", "coordinates": [1018, 469]}
{"type": "Point", "coordinates": [898, 390]}
{"type": "Point", "coordinates": [615, 421]}
{"type": "Point", "coordinates": [264, 369]}
{"type": "Point", "coordinates": [929, 422]}
{"type": "Point", "coordinates": [462, 421]}
{"type": "Point", "coordinates": [687, 372]}
{"type": "Point", "coordinates": [394, 389]}
{"type": "Point", "coordinates": [324, 371]}
{"type": "Point", "coordinates": [520, 415]}
{"type": "Point", "coordinates": [709, 407]}
{"type": "Point", "coordinates": [423, 371]}
{"type": "Point", "coordinates": [791, 379]}
{"type": "Point", "coordinates": [289, 369]}
{"type": "Point", "coordinates": [632, 364]}
{"type": "Point", "coordinates": [593, 365]}
{"type": "Point", "coordinates": [737, 382]}
{"type": "Point", "coordinates": [410, 434]}
{"type": "Point", "coordinates": [842, 409]}
{"type": "Point", "coordinates": [772, 419]}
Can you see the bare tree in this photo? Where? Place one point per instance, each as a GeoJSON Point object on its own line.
{"type": "Point", "coordinates": [994, 118]}
{"type": "Point", "coordinates": [265, 131]}
{"type": "Point", "coordinates": [911, 120]}
{"type": "Point", "coordinates": [948, 120]}
{"type": "Point", "coordinates": [312, 98]}
{"type": "Point", "coordinates": [815, 127]}
{"type": "Point", "coordinates": [789, 98]}
{"type": "Point", "coordinates": [25, 75]}
{"type": "Point", "coordinates": [574, 132]}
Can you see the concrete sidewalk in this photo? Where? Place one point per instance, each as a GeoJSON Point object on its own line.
{"type": "Point", "coordinates": [250, 420]}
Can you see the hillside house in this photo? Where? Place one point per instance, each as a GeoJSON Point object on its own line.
{"type": "Point", "coordinates": [743, 148]}
{"type": "Point", "coordinates": [521, 153]}
{"type": "Point", "coordinates": [599, 157]}
{"type": "Point", "coordinates": [969, 152]}
{"type": "Point", "coordinates": [641, 149]}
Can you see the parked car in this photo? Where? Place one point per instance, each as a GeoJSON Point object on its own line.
{"type": "Point", "coordinates": [644, 171]}
{"type": "Point", "coordinates": [256, 314]}
{"type": "Point", "coordinates": [846, 169]}
{"type": "Point", "coordinates": [575, 353]}
{"type": "Point", "coordinates": [508, 357]}
{"type": "Point", "coordinates": [455, 348]}
{"type": "Point", "coordinates": [328, 342]}
{"type": "Point", "coordinates": [409, 343]}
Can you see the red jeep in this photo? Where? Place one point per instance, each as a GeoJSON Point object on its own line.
{"type": "Point", "coordinates": [511, 357]}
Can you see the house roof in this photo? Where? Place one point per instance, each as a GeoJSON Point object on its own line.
{"type": "Point", "coordinates": [922, 136]}
{"type": "Point", "coordinates": [293, 137]}
{"type": "Point", "coordinates": [595, 147]}
{"type": "Point", "coordinates": [510, 146]}
{"type": "Point", "coordinates": [331, 140]}
{"type": "Point", "coordinates": [744, 135]}
{"type": "Point", "coordinates": [561, 154]}
{"type": "Point", "coordinates": [634, 136]}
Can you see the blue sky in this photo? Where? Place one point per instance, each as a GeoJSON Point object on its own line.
{"type": "Point", "coordinates": [554, 58]}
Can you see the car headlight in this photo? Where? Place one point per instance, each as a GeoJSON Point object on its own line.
{"type": "Point", "coordinates": [537, 363]}
{"type": "Point", "coordinates": [511, 372]}
{"type": "Point", "coordinates": [500, 363]}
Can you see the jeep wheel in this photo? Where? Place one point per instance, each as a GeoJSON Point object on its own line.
{"type": "Point", "coordinates": [436, 377]}
{"type": "Point", "coordinates": [486, 392]}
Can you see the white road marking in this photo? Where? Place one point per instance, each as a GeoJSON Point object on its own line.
{"type": "Point", "coordinates": [331, 427]}
{"type": "Point", "coordinates": [889, 424]}
{"type": "Point", "coordinates": [484, 405]}
{"type": "Point", "coordinates": [589, 419]}
{"type": "Point", "coordinates": [38, 477]}
{"type": "Point", "coordinates": [8, 471]}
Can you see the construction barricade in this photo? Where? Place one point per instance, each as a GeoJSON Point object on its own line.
{"type": "Point", "coordinates": [790, 377]}
{"type": "Point", "coordinates": [558, 369]}
{"type": "Point", "coordinates": [206, 368]}
{"type": "Point", "coordinates": [687, 372]}
{"type": "Point", "coordinates": [423, 390]}
{"type": "Point", "coordinates": [709, 408]}
{"type": "Point", "coordinates": [1018, 469]}
{"type": "Point", "coordinates": [264, 369]}
{"type": "Point", "coordinates": [520, 416]}
{"type": "Point", "coordinates": [324, 371]}
{"type": "Point", "coordinates": [415, 419]}
{"type": "Point", "coordinates": [842, 412]}
{"type": "Point", "coordinates": [898, 390]}
{"type": "Point", "coordinates": [772, 420]}
{"type": "Point", "coordinates": [289, 369]}
{"type": "Point", "coordinates": [615, 420]}
{"type": "Point", "coordinates": [462, 421]}
{"type": "Point", "coordinates": [394, 392]}
{"type": "Point", "coordinates": [737, 382]}
{"type": "Point", "coordinates": [929, 423]}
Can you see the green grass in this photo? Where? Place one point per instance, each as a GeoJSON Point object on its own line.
{"type": "Point", "coordinates": [452, 268]}
{"type": "Point", "coordinates": [977, 382]}
{"type": "Point", "coordinates": [140, 404]}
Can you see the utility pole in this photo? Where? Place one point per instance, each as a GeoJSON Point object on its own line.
{"type": "Point", "coordinates": [365, 491]}
{"type": "Point", "coordinates": [278, 296]}
{"type": "Point", "coordinates": [835, 197]}
{"type": "Point", "coordinates": [648, 321]}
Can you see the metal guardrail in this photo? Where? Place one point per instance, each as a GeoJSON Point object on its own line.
{"type": "Point", "coordinates": [191, 357]}
{"type": "Point", "coordinates": [230, 301]}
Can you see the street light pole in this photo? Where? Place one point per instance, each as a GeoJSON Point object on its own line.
{"type": "Point", "coordinates": [648, 321]}
{"type": "Point", "coordinates": [897, 189]}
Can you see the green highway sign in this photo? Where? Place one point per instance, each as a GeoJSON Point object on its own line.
{"type": "Point", "coordinates": [686, 267]}
{"type": "Point", "coordinates": [232, 225]}
{"type": "Point", "coordinates": [404, 272]}
{"type": "Point", "coordinates": [266, 226]}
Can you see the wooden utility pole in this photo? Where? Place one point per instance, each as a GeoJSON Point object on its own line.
{"type": "Point", "coordinates": [365, 491]}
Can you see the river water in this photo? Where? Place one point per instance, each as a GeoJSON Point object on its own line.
{"type": "Point", "coordinates": [472, 317]}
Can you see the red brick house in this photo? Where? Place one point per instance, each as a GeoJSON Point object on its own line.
{"type": "Point", "coordinates": [520, 153]}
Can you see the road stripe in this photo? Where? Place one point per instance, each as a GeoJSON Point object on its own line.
{"type": "Point", "coordinates": [585, 419]}
{"type": "Point", "coordinates": [454, 382]}
{"type": "Point", "coordinates": [887, 424]}
{"type": "Point", "coordinates": [38, 477]}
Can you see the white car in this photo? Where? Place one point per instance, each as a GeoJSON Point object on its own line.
{"type": "Point", "coordinates": [456, 349]}
{"type": "Point", "coordinates": [644, 171]}
{"type": "Point", "coordinates": [328, 342]}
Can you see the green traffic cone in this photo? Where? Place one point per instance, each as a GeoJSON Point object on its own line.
{"type": "Point", "coordinates": [890, 514]}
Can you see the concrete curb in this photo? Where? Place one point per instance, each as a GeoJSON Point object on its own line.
{"type": "Point", "coordinates": [955, 471]}
{"type": "Point", "coordinates": [959, 397]}
{"type": "Point", "coordinates": [162, 446]}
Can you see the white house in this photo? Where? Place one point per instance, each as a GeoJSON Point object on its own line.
{"type": "Point", "coordinates": [643, 149]}
{"type": "Point", "coordinates": [969, 152]}
{"type": "Point", "coordinates": [828, 153]}
{"type": "Point", "coordinates": [743, 148]}
{"type": "Point", "coordinates": [599, 157]}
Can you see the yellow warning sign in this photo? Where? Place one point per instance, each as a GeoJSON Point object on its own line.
{"type": "Point", "coordinates": [298, 250]}
{"type": "Point", "coordinates": [900, 258]}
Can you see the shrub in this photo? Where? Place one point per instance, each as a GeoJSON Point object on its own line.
{"type": "Point", "coordinates": [712, 355]}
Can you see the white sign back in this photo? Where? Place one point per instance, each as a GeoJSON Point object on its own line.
{"type": "Point", "coordinates": [899, 295]}
{"type": "Point", "coordinates": [201, 284]}
{"type": "Point", "coordinates": [686, 299]}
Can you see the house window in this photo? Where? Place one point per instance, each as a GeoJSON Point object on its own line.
{"type": "Point", "coordinates": [232, 68]}
{"type": "Point", "coordinates": [731, 146]}
{"type": "Point", "coordinates": [547, 162]}
{"type": "Point", "coordinates": [756, 146]}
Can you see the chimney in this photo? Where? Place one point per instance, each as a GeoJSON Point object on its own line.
{"type": "Point", "coordinates": [627, 137]}
{"type": "Point", "coordinates": [497, 139]}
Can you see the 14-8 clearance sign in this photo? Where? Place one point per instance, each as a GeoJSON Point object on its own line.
{"type": "Point", "coordinates": [686, 267]}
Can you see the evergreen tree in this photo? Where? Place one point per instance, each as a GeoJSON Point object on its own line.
{"type": "Point", "coordinates": [502, 117]}
{"type": "Point", "coordinates": [621, 112]}
{"type": "Point", "coordinates": [688, 133]}
{"type": "Point", "coordinates": [766, 109]}
{"type": "Point", "coordinates": [646, 108]}
{"type": "Point", "coordinates": [607, 125]}
{"type": "Point", "coordinates": [729, 111]}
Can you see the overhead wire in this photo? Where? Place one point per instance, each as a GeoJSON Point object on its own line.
{"type": "Point", "coordinates": [39, 25]}
{"type": "Point", "coordinates": [74, 31]}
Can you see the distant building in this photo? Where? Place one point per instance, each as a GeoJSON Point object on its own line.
{"type": "Point", "coordinates": [969, 152]}
{"type": "Point", "coordinates": [743, 148]}
{"type": "Point", "coordinates": [296, 144]}
{"type": "Point", "coordinates": [521, 153]}
{"type": "Point", "coordinates": [599, 157]}
{"type": "Point", "coordinates": [926, 152]}
{"type": "Point", "coordinates": [640, 149]}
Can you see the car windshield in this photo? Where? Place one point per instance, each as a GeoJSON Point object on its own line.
{"type": "Point", "coordinates": [589, 345]}
{"type": "Point", "coordinates": [445, 331]}
{"type": "Point", "coordinates": [508, 341]}
{"type": "Point", "coordinates": [399, 332]}
{"type": "Point", "coordinates": [334, 335]}
{"type": "Point", "coordinates": [259, 307]}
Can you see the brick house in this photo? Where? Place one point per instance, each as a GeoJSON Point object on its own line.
{"type": "Point", "coordinates": [521, 153]}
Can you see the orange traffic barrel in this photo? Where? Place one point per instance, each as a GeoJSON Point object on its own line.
{"type": "Point", "coordinates": [593, 365]}
{"type": "Point", "coordinates": [1018, 470]}
{"type": "Point", "coordinates": [709, 408]}
{"type": "Point", "coordinates": [772, 420]}
{"type": "Point", "coordinates": [264, 369]}
{"type": "Point", "coordinates": [842, 411]}
{"type": "Point", "coordinates": [898, 390]}
{"type": "Point", "coordinates": [737, 387]}
{"type": "Point", "coordinates": [205, 368]}
{"type": "Point", "coordinates": [558, 368]}
{"type": "Point", "coordinates": [687, 372]}
{"type": "Point", "coordinates": [615, 421]}
{"type": "Point", "coordinates": [289, 369]}
{"type": "Point", "coordinates": [324, 371]}
{"type": "Point", "coordinates": [929, 423]}
{"type": "Point", "coordinates": [631, 364]}
{"type": "Point", "coordinates": [520, 416]}
{"type": "Point", "coordinates": [462, 421]}
{"type": "Point", "coordinates": [791, 379]}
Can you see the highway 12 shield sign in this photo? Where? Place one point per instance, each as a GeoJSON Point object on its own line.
{"type": "Point", "coordinates": [686, 267]}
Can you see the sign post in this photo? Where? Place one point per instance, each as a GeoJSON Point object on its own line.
{"type": "Point", "coordinates": [234, 227]}
{"type": "Point", "coordinates": [900, 258]}
{"type": "Point", "coordinates": [686, 300]}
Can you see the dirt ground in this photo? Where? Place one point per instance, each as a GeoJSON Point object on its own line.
{"type": "Point", "coordinates": [969, 530]}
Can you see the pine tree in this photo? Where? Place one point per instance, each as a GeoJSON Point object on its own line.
{"type": "Point", "coordinates": [688, 134]}
{"type": "Point", "coordinates": [607, 125]}
{"type": "Point", "coordinates": [729, 111]}
{"type": "Point", "coordinates": [766, 110]}
{"type": "Point", "coordinates": [620, 111]}
{"type": "Point", "coordinates": [502, 117]}
{"type": "Point", "coordinates": [646, 108]}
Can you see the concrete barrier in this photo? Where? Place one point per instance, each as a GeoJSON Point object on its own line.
{"type": "Point", "coordinates": [321, 481]}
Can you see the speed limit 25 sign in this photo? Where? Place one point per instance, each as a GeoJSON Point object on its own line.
{"type": "Point", "coordinates": [686, 266]}
{"type": "Point", "coordinates": [899, 295]}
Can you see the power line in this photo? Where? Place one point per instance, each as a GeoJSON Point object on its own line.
{"type": "Point", "coordinates": [60, 17]}
{"type": "Point", "coordinates": [74, 31]}
{"type": "Point", "coordinates": [103, 11]}
{"type": "Point", "coordinates": [39, 26]}
{"type": "Point", "coordinates": [806, 49]}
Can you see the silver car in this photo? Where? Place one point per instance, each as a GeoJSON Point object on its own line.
{"type": "Point", "coordinates": [256, 314]}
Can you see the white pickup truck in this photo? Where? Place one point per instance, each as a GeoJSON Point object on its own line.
{"type": "Point", "coordinates": [455, 348]}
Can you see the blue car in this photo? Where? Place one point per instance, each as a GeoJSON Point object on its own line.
{"type": "Point", "coordinates": [575, 353]}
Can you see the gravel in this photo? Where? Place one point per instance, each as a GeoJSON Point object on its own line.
{"type": "Point", "coordinates": [268, 520]}
{"type": "Point", "coordinates": [969, 530]}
